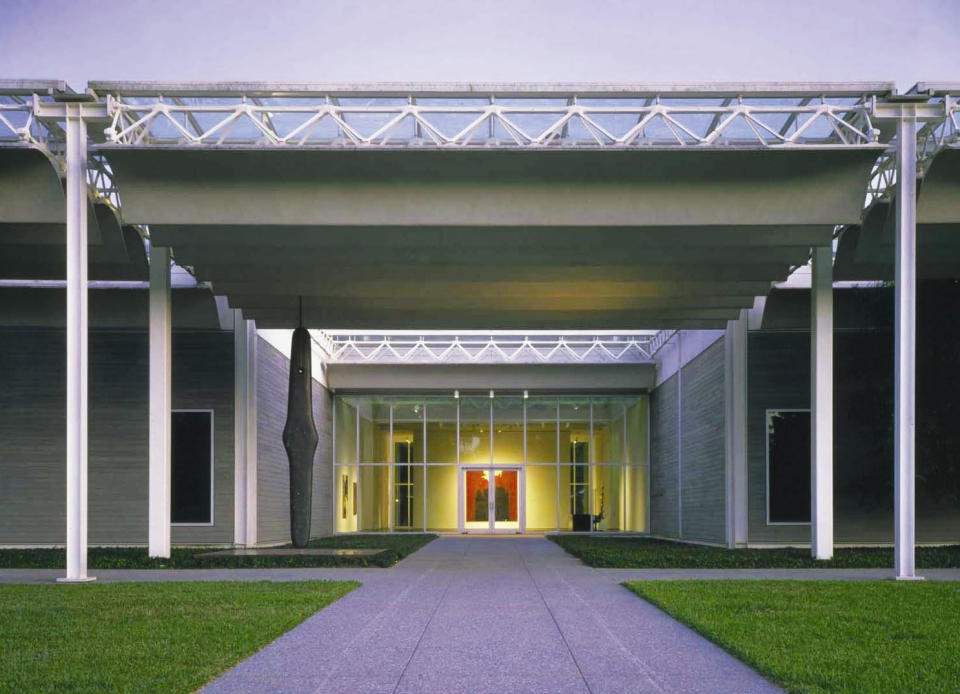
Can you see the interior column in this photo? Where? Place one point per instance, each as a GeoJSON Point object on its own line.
{"type": "Point", "coordinates": [77, 354]}
{"type": "Point", "coordinates": [160, 402]}
{"type": "Point", "coordinates": [821, 403]}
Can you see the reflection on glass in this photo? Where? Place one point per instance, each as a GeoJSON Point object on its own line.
{"type": "Point", "coordinates": [475, 430]}
{"type": "Point", "coordinates": [542, 430]}
{"type": "Point", "coordinates": [345, 431]}
{"type": "Point", "coordinates": [374, 501]}
{"type": "Point", "coordinates": [508, 430]}
{"type": "Point", "coordinates": [541, 497]}
{"type": "Point", "coordinates": [441, 430]}
{"type": "Point", "coordinates": [442, 498]}
{"type": "Point", "coordinates": [507, 497]}
{"type": "Point", "coordinates": [476, 497]}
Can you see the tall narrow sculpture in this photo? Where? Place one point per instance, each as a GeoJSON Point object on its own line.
{"type": "Point", "coordinates": [300, 437]}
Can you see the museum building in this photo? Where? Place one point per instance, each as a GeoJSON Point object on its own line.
{"type": "Point", "coordinates": [687, 312]}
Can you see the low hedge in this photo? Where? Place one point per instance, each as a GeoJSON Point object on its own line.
{"type": "Point", "coordinates": [395, 548]}
{"type": "Point", "coordinates": [648, 553]}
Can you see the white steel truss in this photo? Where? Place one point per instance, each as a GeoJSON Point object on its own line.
{"type": "Point", "coordinates": [415, 121]}
{"type": "Point", "coordinates": [518, 349]}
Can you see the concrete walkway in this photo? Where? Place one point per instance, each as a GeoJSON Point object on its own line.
{"type": "Point", "coordinates": [475, 614]}
{"type": "Point", "coordinates": [493, 615]}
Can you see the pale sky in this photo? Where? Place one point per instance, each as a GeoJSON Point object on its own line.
{"type": "Point", "coordinates": [637, 41]}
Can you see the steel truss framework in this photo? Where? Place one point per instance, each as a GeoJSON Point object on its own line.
{"type": "Point", "coordinates": [527, 349]}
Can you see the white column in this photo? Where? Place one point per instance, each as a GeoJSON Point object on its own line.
{"type": "Point", "coordinates": [76, 210]}
{"type": "Point", "coordinates": [821, 403]}
{"type": "Point", "coordinates": [160, 403]}
{"type": "Point", "coordinates": [735, 353]}
{"type": "Point", "coordinates": [245, 431]}
{"type": "Point", "coordinates": [905, 347]}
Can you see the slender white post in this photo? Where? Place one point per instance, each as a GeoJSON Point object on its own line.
{"type": "Point", "coordinates": [821, 403]}
{"type": "Point", "coordinates": [735, 354]}
{"type": "Point", "coordinates": [76, 346]}
{"type": "Point", "coordinates": [160, 402]}
{"type": "Point", "coordinates": [245, 431]}
{"type": "Point", "coordinates": [905, 348]}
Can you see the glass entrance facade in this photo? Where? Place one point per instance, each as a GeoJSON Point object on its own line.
{"type": "Point", "coordinates": [415, 463]}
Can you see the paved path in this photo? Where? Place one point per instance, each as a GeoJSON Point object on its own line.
{"type": "Point", "coordinates": [483, 615]}
{"type": "Point", "coordinates": [495, 615]}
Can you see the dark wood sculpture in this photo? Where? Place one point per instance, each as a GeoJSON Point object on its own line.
{"type": "Point", "coordinates": [300, 437]}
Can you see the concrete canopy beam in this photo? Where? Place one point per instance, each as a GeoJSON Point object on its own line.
{"type": "Point", "coordinates": [427, 289]}
{"type": "Point", "coordinates": [386, 319]}
{"type": "Point", "coordinates": [939, 198]}
{"type": "Point", "coordinates": [508, 271]}
{"type": "Point", "coordinates": [492, 188]}
{"type": "Point", "coordinates": [31, 190]}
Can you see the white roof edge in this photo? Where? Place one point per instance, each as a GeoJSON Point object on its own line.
{"type": "Point", "coordinates": [483, 89]}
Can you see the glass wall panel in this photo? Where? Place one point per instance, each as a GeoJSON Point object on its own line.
{"type": "Point", "coordinates": [374, 503]}
{"type": "Point", "coordinates": [542, 430]}
{"type": "Point", "coordinates": [475, 430]}
{"type": "Point", "coordinates": [407, 497]}
{"type": "Point", "coordinates": [506, 499]}
{"type": "Point", "coordinates": [441, 430]}
{"type": "Point", "coordinates": [346, 498]}
{"type": "Point", "coordinates": [408, 428]}
{"type": "Point", "coordinates": [508, 430]}
{"type": "Point", "coordinates": [345, 431]}
{"type": "Point", "coordinates": [635, 498]}
{"type": "Point", "coordinates": [575, 457]}
{"type": "Point", "coordinates": [608, 497]}
{"type": "Point", "coordinates": [374, 430]}
{"type": "Point", "coordinates": [637, 430]}
{"type": "Point", "coordinates": [607, 430]}
{"type": "Point", "coordinates": [541, 497]}
{"type": "Point", "coordinates": [476, 490]}
{"type": "Point", "coordinates": [442, 498]}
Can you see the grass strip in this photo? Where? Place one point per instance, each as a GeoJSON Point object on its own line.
{"type": "Point", "coordinates": [139, 637]}
{"type": "Point", "coordinates": [827, 637]}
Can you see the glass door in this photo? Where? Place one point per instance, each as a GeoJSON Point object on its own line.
{"type": "Point", "coordinates": [500, 511]}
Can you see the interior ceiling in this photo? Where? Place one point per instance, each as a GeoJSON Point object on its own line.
{"type": "Point", "coordinates": [453, 240]}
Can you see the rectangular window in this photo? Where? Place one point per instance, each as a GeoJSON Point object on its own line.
{"type": "Point", "coordinates": [788, 466]}
{"type": "Point", "coordinates": [191, 467]}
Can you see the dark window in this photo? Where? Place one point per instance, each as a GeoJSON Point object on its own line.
{"type": "Point", "coordinates": [190, 471]}
{"type": "Point", "coordinates": [788, 456]}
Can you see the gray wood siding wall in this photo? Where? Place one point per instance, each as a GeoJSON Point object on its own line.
{"type": "Point", "coordinates": [33, 432]}
{"type": "Point", "coordinates": [663, 459]}
{"type": "Point", "coordinates": [703, 476]}
{"type": "Point", "coordinates": [779, 378]}
{"type": "Point", "coordinates": [321, 522]}
{"type": "Point", "coordinates": [273, 470]}
{"type": "Point", "coordinates": [704, 450]}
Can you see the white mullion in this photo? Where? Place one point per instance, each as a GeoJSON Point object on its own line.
{"type": "Point", "coordinates": [424, 467]}
{"type": "Point", "coordinates": [556, 455]}
{"type": "Point", "coordinates": [356, 455]}
{"type": "Point", "coordinates": [392, 475]}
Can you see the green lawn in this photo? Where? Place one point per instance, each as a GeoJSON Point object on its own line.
{"type": "Point", "coordinates": [138, 637]}
{"type": "Point", "coordinates": [395, 547]}
{"type": "Point", "coordinates": [648, 553]}
{"type": "Point", "coordinates": [827, 637]}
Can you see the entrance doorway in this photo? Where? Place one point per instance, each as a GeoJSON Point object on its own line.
{"type": "Point", "coordinates": [499, 511]}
